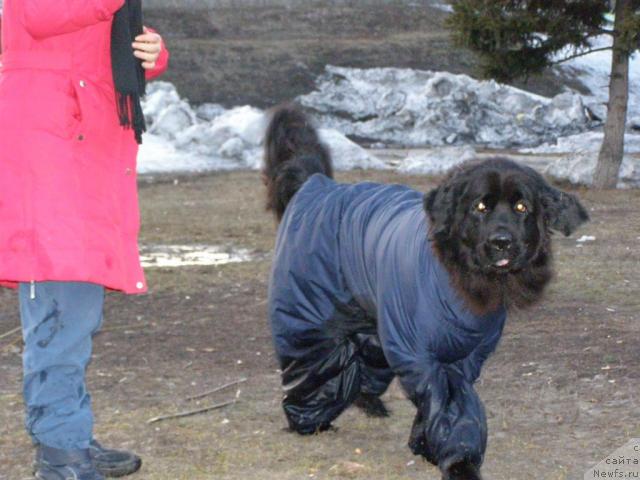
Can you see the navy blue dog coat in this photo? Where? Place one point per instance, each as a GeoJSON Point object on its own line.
{"type": "Point", "coordinates": [357, 296]}
{"type": "Point", "coordinates": [374, 281]}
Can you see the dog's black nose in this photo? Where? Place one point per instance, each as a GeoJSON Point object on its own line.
{"type": "Point", "coordinates": [501, 240]}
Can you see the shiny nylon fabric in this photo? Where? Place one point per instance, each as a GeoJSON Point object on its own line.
{"type": "Point", "coordinates": [358, 296]}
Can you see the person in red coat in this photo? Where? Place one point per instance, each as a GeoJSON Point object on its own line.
{"type": "Point", "coordinates": [72, 75]}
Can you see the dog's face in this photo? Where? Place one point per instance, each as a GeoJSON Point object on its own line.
{"type": "Point", "coordinates": [491, 223]}
{"type": "Point", "coordinates": [498, 223]}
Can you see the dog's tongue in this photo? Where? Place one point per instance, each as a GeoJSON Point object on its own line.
{"type": "Point", "coordinates": [502, 263]}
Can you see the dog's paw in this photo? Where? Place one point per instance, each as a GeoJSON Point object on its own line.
{"type": "Point", "coordinates": [462, 471]}
{"type": "Point", "coordinates": [311, 429]}
{"type": "Point", "coordinates": [372, 406]}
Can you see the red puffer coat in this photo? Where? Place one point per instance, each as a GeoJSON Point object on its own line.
{"type": "Point", "coordinates": [68, 196]}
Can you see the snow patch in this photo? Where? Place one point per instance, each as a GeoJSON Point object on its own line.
{"type": "Point", "coordinates": [593, 71]}
{"type": "Point", "coordinates": [578, 163]}
{"type": "Point", "coordinates": [579, 168]}
{"type": "Point", "coordinates": [584, 142]}
{"type": "Point", "coordinates": [424, 108]}
{"type": "Point", "coordinates": [347, 155]}
{"type": "Point", "coordinates": [210, 137]}
{"type": "Point", "coordinates": [445, 7]}
{"type": "Point", "coordinates": [400, 106]}
{"type": "Point", "coordinates": [159, 155]}
{"type": "Point", "coordinates": [586, 238]}
{"type": "Point", "coordinates": [436, 161]}
{"type": "Point", "coordinates": [171, 256]}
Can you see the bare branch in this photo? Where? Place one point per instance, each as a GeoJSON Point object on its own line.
{"type": "Point", "coordinates": [122, 327]}
{"type": "Point", "coordinates": [191, 412]}
{"type": "Point", "coordinates": [602, 31]}
{"type": "Point", "coordinates": [217, 389]}
{"type": "Point", "coordinates": [581, 54]}
{"type": "Point", "coordinates": [10, 332]}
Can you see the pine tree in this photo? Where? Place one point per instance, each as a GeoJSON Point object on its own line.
{"type": "Point", "coordinates": [517, 38]}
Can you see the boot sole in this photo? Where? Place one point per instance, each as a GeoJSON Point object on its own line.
{"type": "Point", "coordinates": [120, 470]}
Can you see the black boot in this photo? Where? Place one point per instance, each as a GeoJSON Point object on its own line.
{"type": "Point", "coordinates": [109, 462]}
{"type": "Point", "coordinates": [56, 464]}
{"type": "Point", "coordinates": [114, 463]}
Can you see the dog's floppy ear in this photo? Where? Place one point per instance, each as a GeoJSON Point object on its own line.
{"type": "Point", "coordinates": [563, 210]}
{"type": "Point", "coordinates": [440, 204]}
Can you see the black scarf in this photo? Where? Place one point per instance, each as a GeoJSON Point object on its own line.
{"type": "Point", "coordinates": [128, 74]}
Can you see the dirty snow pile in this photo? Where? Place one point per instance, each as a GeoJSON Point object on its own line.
{"type": "Point", "coordinates": [436, 161]}
{"type": "Point", "coordinates": [449, 114]}
{"type": "Point", "coordinates": [593, 72]}
{"type": "Point", "coordinates": [579, 155]}
{"type": "Point", "coordinates": [580, 152]}
{"type": "Point", "coordinates": [424, 108]}
{"type": "Point", "coordinates": [579, 168]}
{"type": "Point", "coordinates": [210, 137]}
{"type": "Point", "coordinates": [584, 142]}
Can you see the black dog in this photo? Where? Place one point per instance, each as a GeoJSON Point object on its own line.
{"type": "Point", "coordinates": [375, 281]}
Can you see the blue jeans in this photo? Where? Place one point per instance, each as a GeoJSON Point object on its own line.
{"type": "Point", "coordinates": [59, 320]}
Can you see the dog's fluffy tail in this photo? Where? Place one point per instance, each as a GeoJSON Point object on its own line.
{"type": "Point", "coordinates": [293, 152]}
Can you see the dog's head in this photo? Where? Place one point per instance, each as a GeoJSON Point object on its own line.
{"type": "Point", "coordinates": [491, 223]}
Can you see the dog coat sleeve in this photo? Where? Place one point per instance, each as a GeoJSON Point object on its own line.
{"type": "Point", "coordinates": [425, 328]}
{"type": "Point", "coordinates": [432, 342]}
{"type": "Point", "coordinates": [450, 424]}
{"type": "Point", "coordinates": [472, 364]}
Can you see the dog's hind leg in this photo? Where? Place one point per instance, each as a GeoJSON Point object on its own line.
{"type": "Point", "coordinates": [371, 405]}
{"type": "Point", "coordinates": [375, 375]}
{"type": "Point", "coordinates": [320, 386]}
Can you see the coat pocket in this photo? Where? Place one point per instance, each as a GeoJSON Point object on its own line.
{"type": "Point", "coordinates": [37, 100]}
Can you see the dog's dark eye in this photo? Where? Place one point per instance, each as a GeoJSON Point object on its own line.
{"type": "Point", "coordinates": [521, 207]}
{"type": "Point", "coordinates": [481, 207]}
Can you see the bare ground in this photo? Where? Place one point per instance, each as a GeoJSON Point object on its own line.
{"type": "Point", "coordinates": [265, 55]}
{"type": "Point", "coordinates": [561, 392]}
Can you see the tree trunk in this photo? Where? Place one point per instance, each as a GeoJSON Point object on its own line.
{"type": "Point", "coordinates": [612, 150]}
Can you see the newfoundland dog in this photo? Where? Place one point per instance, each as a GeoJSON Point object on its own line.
{"type": "Point", "coordinates": [374, 281]}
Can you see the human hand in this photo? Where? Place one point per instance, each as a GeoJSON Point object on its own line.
{"type": "Point", "coordinates": [147, 47]}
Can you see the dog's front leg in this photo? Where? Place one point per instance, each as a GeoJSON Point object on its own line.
{"type": "Point", "coordinates": [462, 471]}
{"type": "Point", "coordinates": [450, 428]}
